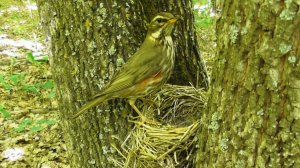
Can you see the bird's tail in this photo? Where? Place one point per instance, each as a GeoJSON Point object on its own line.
{"type": "Point", "coordinates": [96, 101]}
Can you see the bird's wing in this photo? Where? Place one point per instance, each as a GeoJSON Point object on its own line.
{"type": "Point", "coordinates": [142, 65]}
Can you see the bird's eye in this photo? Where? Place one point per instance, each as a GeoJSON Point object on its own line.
{"type": "Point", "coordinates": [160, 20]}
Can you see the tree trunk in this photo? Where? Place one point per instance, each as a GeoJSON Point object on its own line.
{"type": "Point", "coordinates": [89, 41]}
{"type": "Point", "coordinates": [253, 111]}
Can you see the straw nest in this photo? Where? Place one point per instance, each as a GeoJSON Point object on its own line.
{"type": "Point", "coordinates": [169, 141]}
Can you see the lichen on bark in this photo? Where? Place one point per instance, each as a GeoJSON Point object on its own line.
{"type": "Point", "coordinates": [255, 90]}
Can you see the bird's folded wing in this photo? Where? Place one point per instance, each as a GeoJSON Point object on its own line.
{"type": "Point", "coordinates": [142, 65]}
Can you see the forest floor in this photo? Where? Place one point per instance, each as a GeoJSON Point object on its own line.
{"type": "Point", "coordinates": [30, 135]}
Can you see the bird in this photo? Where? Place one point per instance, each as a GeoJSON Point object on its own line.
{"type": "Point", "coordinates": [146, 71]}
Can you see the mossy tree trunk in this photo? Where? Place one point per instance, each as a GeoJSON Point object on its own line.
{"type": "Point", "coordinates": [253, 115]}
{"type": "Point", "coordinates": [90, 40]}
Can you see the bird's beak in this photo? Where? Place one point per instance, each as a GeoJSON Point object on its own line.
{"type": "Point", "coordinates": [172, 21]}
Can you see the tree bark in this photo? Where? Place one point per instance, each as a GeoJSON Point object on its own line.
{"type": "Point", "coordinates": [90, 40]}
{"type": "Point", "coordinates": [253, 111]}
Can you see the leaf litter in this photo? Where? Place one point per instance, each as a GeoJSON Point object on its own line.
{"type": "Point", "coordinates": [29, 132]}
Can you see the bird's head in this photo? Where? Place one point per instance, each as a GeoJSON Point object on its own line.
{"type": "Point", "coordinates": [161, 25]}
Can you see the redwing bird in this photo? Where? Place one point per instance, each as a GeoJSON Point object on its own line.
{"type": "Point", "coordinates": [146, 71]}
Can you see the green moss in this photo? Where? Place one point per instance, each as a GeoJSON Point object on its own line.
{"type": "Point", "coordinates": [223, 143]}
{"type": "Point", "coordinates": [284, 48]}
{"type": "Point", "coordinates": [260, 112]}
{"type": "Point", "coordinates": [120, 62]}
{"type": "Point", "coordinates": [286, 14]}
{"type": "Point", "coordinates": [240, 164]}
{"type": "Point", "coordinates": [92, 161]}
{"type": "Point", "coordinates": [214, 124]}
{"type": "Point", "coordinates": [233, 33]}
{"type": "Point", "coordinates": [261, 162]}
{"type": "Point", "coordinates": [292, 59]}
{"type": "Point", "coordinates": [91, 46]}
{"type": "Point", "coordinates": [273, 78]}
{"type": "Point", "coordinates": [112, 50]}
{"type": "Point", "coordinates": [105, 149]}
{"type": "Point", "coordinates": [102, 13]}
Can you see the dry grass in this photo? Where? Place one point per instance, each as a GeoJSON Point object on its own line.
{"type": "Point", "coordinates": [171, 141]}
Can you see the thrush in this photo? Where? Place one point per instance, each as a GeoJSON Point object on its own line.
{"type": "Point", "coordinates": [146, 71]}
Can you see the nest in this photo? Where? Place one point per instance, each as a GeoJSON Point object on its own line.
{"type": "Point", "coordinates": [168, 142]}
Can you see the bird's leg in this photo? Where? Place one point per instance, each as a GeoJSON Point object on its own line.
{"type": "Point", "coordinates": [132, 104]}
{"type": "Point", "coordinates": [149, 101]}
{"type": "Point", "coordinates": [143, 118]}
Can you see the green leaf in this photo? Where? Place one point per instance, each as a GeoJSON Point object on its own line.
{"type": "Point", "coordinates": [23, 124]}
{"type": "Point", "coordinates": [50, 122]}
{"type": "Point", "coordinates": [27, 121]}
{"type": "Point", "coordinates": [1, 78]}
{"type": "Point", "coordinates": [45, 58]}
{"type": "Point", "coordinates": [20, 128]}
{"type": "Point", "coordinates": [36, 128]}
{"type": "Point", "coordinates": [48, 85]}
{"type": "Point", "coordinates": [7, 86]}
{"type": "Point", "coordinates": [30, 88]}
{"type": "Point", "coordinates": [41, 121]}
{"type": "Point", "coordinates": [4, 112]}
{"type": "Point", "coordinates": [45, 121]}
{"type": "Point", "coordinates": [17, 78]}
{"type": "Point", "coordinates": [30, 58]}
{"type": "Point", "coordinates": [51, 95]}
{"type": "Point", "coordinates": [38, 84]}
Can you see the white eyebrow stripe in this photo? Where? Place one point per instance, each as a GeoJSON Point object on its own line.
{"type": "Point", "coordinates": [160, 17]}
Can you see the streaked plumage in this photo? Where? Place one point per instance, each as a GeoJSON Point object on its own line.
{"type": "Point", "coordinates": [147, 70]}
